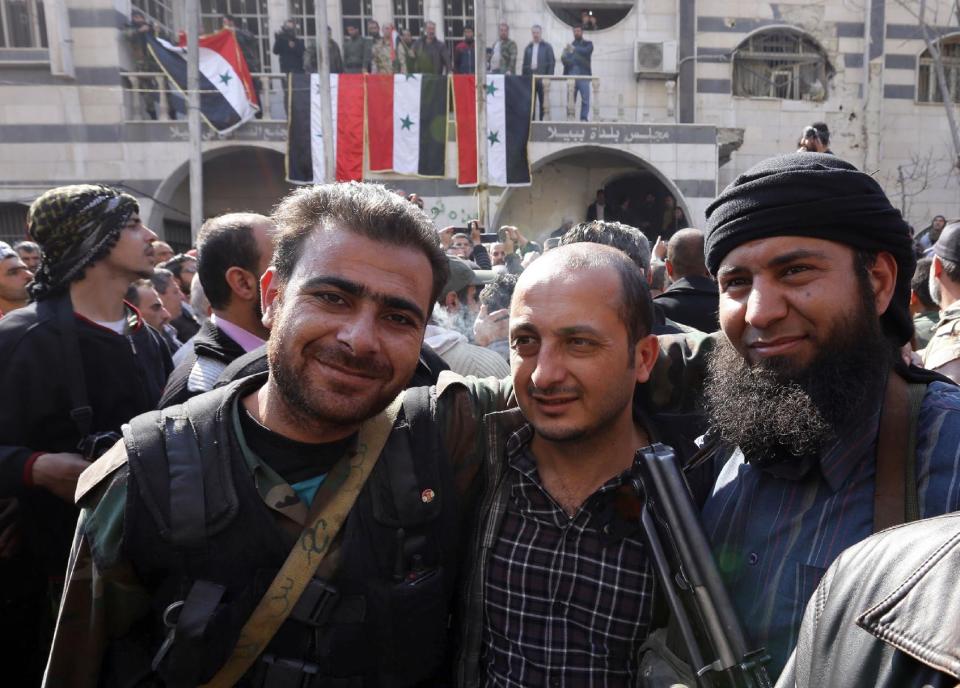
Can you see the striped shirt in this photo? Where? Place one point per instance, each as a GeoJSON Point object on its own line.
{"type": "Point", "coordinates": [774, 534]}
{"type": "Point", "coordinates": [568, 600]}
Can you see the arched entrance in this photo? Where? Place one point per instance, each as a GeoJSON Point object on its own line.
{"type": "Point", "coordinates": [566, 182]}
{"type": "Point", "coordinates": [235, 178]}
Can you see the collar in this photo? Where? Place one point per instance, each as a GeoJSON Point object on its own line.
{"type": "Point", "coordinates": [695, 283]}
{"type": "Point", "coordinates": [246, 339]}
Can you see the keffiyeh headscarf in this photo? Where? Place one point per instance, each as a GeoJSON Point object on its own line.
{"type": "Point", "coordinates": [820, 196]}
{"type": "Point", "coordinates": [73, 224]}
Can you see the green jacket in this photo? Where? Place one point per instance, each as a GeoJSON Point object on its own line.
{"type": "Point", "coordinates": [508, 58]}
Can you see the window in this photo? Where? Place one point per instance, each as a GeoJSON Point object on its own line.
{"type": "Point", "coordinates": [781, 63]}
{"type": "Point", "coordinates": [160, 12]}
{"type": "Point", "coordinates": [408, 14]}
{"type": "Point", "coordinates": [13, 222]}
{"type": "Point", "coordinates": [456, 15]}
{"type": "Point", "coordinates": [592, 16]}
{"type": "Point", "coordinates": [928, 88]}
{"type": "Point", "coordinates": [22, 24]}
{"type": "Point", "coordinates": [250, 15]}
{"type": "Point", "coordinates": [356, 12]}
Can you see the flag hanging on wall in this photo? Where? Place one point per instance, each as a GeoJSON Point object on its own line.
{"type": "Point", "coordinates": [407, 123]}
{"type": "Point", "coordinates": [509, 102]}
{"type": "Point", "coordinates": [227, 96]}
{"type": "Point", "coordinates": [305, 161]}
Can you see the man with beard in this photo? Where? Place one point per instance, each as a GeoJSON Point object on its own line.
{"type": "Point", "coordinates": [814, 418]}
{"type": "Point", "coordinates": [174, 577]}
{"type": "Point", "coordinates": [233, 251]}
{"type": "Point", "coordinates": [14, 278]}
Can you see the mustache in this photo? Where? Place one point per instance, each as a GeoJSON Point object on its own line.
{"type": "Point", "coordinates": [372, 366]}
{"type": "Point", "coordinates": [533, 390]}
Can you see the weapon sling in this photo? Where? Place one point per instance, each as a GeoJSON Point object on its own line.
{"type": "Point", "coordinates": [895, 496]}
{"type": "Point", "coordinates": [330, 508]}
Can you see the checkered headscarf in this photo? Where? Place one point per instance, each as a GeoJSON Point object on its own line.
{"type": "Point", "coordinates": [73, 224]}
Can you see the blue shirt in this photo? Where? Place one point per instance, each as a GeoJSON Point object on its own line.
{"type": "Point", "coordinates": [774, 533]}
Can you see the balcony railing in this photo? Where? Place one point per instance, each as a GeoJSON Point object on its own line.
{"type": "Point", "coordinates": [151, 97]}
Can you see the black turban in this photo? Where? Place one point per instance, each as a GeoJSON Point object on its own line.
{"type": "Point", "coordinates": [819, 196]}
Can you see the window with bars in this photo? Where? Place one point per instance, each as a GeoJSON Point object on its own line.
{"type": "Point", "coordinates": [253, 29]}
{"type": "Point", "coordinates": [358, 12]}
{"type": "Point", "coordinates": [928, 86]}
{"type": "Point", "coordinates": [13, 222]}
{"type": "Point", "coordinates": [159, 12]}
{"type": "Point", "coordinates": [408, 14]}
{"type": "Point", "coordinates": [22, 24]}
{"type": "Point", "coordinates": [456, 15]}
{"type": "Point", "coordinates": [781, 63]}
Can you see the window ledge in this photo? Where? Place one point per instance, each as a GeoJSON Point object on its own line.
{"type": "Point", "coordinates": [21, 57]}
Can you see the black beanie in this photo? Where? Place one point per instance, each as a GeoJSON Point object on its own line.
{"type": "Point", "coordinates": [820, 196]}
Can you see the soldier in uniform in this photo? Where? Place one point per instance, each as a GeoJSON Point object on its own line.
{"type": "Point", "coordinates": [136, 32]}
{"type": "Point", "coordinates": [943, 352]}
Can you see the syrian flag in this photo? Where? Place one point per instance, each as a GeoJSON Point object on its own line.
{"type": "Point", "coordinates": [509, 109]}
{"type": "Point", "coordinates": [227, 96]}
{"type": "Point", "coordinates": [407, 123]}
{"type": "Point", "coordinates": [305, 161]}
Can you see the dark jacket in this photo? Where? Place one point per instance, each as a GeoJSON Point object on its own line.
{"type": "Point", "coordinates": [431, 56]}
{"type": "Point", "coordinates": [291, 58]}
{"type": "Point", "coordinates": [186, 325]}
{"type": "Point", "coordinates": [464, 58]}
{"type": "Point", "coordinates": [608, 213]}
{"type": "Point", "coordinates": [692, 301]}
{"type": "Point", "coordinates": [546, 62]}
{"type": "Point", "coordinates": [356, 54]}
{"type": "Point", "coordinates": [212, 351]}
{"type": "Point", "coordinates": [577, 62]}
{"type": "Point", "coordinates": [886, 614]}
{"type": "Point", "coordinates": [123, 376]}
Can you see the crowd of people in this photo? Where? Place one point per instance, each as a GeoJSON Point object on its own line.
{"type": "Point", "coordinates": [338, 446]}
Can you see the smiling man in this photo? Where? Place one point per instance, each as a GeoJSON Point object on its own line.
{"type": "Point", "coordinates": [812, 428]}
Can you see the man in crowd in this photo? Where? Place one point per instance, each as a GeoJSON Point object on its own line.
{"type": "Point", "coordinates": [183, 268]}
{"type": "Point", "coordinates": [928, 235]}
{"type": "Point", "coordinates": [406, 52]}
{"type": "Point", "coordinates": [815, 139]}
{"type": "Point", "coordinates": [465, 54]}
{"type": "Point", "coordinates": [233, 251]}
{"type": "Point", "coordinates": [356, 50]}
{"type": "Point", "coordinates": [14, 278]}
{"type": "Point", "coordinates": [373, 29]}
{"type": "Point", "coordinates": [78, 363]}
{"type": "Point", "coordinates": [144, 297]}
{"type": "Point", "coordinates": [925, 311]}
{"type": "Point", "coordinates": [943, 352]}
{"type": "Point", "coordinates": [29, 253]}
{"type": "Point", "coordinates": [447, 333]}
{"type": "Point", "coordinates": [384, 57]}
{"type": "Point", "coordinates": [135, 32]}
{"type": "Point", "coordinates": [503, 58]}
{"type": "Point", "coordinates": [491, 326]}
{"type": "Point", "coordinates": [598, 210]}
{"type": "Point", "coordinates": [290, 48]}
{"type": "Point", "coordinates": [692, 297]}
{"type": "Point", "coordinates": [807, 394]}
{"type": "Point", "coordinates": [162, 251]}
{"type": "Point", "coordinates": [576, 59]}
{"type": "Point", "coordinates": [183, 324]}
{"type": "Point", "coordinates": [538, 59]}
{"type": "Point", "coordinates": [430, 53]}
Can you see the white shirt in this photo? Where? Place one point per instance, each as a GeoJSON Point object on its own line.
{"type": "Point", "coordinates": [535, 54]}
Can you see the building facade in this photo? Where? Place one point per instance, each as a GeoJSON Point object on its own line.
{"type": "Point", "coordinates": [685, 95]}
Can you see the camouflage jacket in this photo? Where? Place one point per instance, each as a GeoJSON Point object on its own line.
{"type": "Point", "coordinates": [944, 345]}
{"type": "Point", "coordinates": [142, 59]}
{"type": "Point", "coordinates": [508, 58]}
{"type": "Point", "coordinates": [382, 61]}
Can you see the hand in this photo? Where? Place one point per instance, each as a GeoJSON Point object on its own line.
{"type": "Point", "coordinates": [292, 44]}
{"type": "Point", "coordinates": [446, 236]}
{"type": "Point", "coordinates": [144, 28]}
{"type": "Point", "coordinates": [58, 473]}
{"type": "Point", "coordinates": [517, 237]}
{"type": "Point", "coordinates": [491, 327]}
{"type": "Point", "coordinates": [475, 233]}
{"type": "Point", "coordinates": [660, 249]}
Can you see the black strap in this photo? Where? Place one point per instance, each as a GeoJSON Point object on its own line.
{"type": "Point", "coordinates": [187, 502]}
{"type": "Point", "coordinates": [61, 309]}
{"type": "Point", "coordinates": [186, 655]}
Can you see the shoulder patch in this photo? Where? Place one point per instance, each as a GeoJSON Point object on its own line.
{"type": "Point", "coordinates": [100, 469]}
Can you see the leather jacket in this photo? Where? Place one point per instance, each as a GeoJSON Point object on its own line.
{"type": "Point", "coordinates": [887, 613]}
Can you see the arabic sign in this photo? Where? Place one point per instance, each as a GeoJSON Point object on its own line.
{"type": "Point", "coordinates": [451, 210]}
{"type": "Point", "coordinates": [251, 131]}
{"type": "Point", "coordinates": [620, 134]}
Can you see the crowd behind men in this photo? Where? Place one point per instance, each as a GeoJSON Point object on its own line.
{"type": "Point", "coordinates": [282, 339]}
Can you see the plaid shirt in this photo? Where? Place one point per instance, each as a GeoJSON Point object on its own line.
{"type": "Point", "coordinates": [568, 600]}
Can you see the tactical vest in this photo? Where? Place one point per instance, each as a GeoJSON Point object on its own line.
{"type": "Point", "coordinates": [198, 531]}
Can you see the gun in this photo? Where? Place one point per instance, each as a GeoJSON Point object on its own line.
{"type": "Point", "coordinates": [699, 604]}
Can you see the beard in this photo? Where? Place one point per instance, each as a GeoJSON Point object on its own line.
{"type": "Point", "coordinates": [460, 320]}
{"type": "Point", "coordinates": [778, 412]}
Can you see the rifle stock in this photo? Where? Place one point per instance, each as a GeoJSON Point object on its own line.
{"type": "Point", "coordinates": [699, 604]}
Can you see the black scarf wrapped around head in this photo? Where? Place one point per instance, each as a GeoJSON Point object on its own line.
{"type": "Point", "coordinates": [819, 196]}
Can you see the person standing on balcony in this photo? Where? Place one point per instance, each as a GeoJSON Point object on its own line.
{"type": "Point", "coordinates": [538, 60]}
{"type": "Point", "coordinates": [135, 32]}
{"type": "Point", "coordinates": [431, 53]}
{"type": "Point", "coordinates": [290, 49]}
{"type": "Point", "coordinates": [503, 59]}
{"type": "Point", "coordinates": [385, 57]}
{"type": "Point", "coordinates": [406, 52]}
{"type": "Point", "coordinates": [576, 62]}
{"type": "Point", "coordinates": [465, 54]}
{"type": "Point", "coordinates": [356, 51]}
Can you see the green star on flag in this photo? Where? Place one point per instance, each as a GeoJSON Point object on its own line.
{"type": "Point", "coordinates": [406, 122]}
{"type": "Point", "coordinates": [491, 89]}
{"type": "Point", "coordinates": [493, 137]}
{"type": "Point", "coordinates": [225, 78]}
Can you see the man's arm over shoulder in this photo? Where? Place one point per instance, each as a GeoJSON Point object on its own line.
{"type": "Point", "coordinates": [102, 596]}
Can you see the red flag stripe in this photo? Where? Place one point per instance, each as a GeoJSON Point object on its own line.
{"type": "Point", "coordinates": [350, 127]}
{"type": "Point", "coordinates": [380, 121]}
{"type": "Point", "coordinates": [465, 105]}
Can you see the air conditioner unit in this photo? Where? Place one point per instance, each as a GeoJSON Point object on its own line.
{"type": "Point", "coordinates": [656, 59]}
